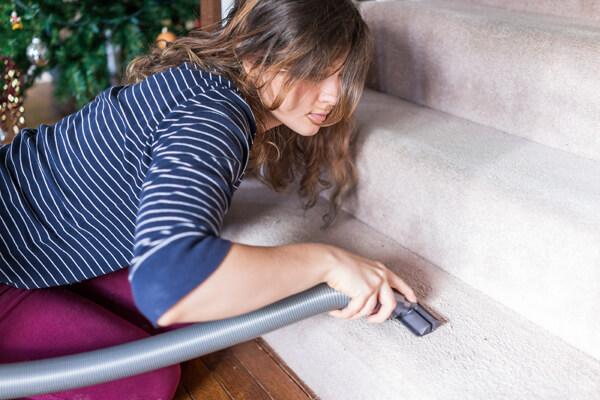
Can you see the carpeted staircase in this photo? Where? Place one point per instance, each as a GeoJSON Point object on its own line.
{"type": "Point", "coordinates": [479, 162]}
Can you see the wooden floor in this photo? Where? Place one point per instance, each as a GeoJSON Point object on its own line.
{"type": "Point", "coordinates": [249, 370]}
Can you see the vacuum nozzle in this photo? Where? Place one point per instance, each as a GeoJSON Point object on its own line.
{"type": "Point", "coordinates": [416, 318]}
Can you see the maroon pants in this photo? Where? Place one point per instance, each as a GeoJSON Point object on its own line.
{"type": "Point", "coordinates": [89, 315]}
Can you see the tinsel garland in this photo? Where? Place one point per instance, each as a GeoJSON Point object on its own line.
{"type": "Point", "coordinates": [11, 100]}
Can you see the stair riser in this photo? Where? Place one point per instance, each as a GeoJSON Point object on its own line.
{"type": "Point", "coordinates": [537, 83]}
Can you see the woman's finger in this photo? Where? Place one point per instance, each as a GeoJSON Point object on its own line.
{"type": "Point", "coordinates": [352, 308]}
{"type": "Point", "coordinates": [402, 287]}
{"type": "Point", "coordinates": [368, 307]}
{"type": "Point", "coordinates": [388, 303]}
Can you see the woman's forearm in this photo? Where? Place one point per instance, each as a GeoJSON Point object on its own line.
{"type": "Point", "coordinates": [251, 277]}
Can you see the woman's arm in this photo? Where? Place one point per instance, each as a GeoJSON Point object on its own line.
{"type": "Point", "coordinates": [251, 277]}
{"type": "Point", "coordinates": [198, 152]}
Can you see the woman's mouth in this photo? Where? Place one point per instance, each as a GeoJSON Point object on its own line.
{"type": "Point", "coordinates": [318, 118]}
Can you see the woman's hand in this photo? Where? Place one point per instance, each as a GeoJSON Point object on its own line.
{"type": "Point", "coordinates": [366, 282]}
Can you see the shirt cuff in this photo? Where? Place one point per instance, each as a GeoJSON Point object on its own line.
{"type": "Point", "coordinates": [175, 270]}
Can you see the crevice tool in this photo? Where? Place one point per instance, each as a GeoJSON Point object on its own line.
{"type": "Point", "coordinates": [416, 318]}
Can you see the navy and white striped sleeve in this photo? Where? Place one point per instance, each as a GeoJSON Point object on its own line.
{"type": "Point", "coordinates": [187, 191]}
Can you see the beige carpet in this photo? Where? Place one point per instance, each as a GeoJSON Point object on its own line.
{"type": "Point", "coordinates": [479, 159]}
{"type": "Point", "coordinates": [484, 351]}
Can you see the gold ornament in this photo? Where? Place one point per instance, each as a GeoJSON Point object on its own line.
{"type": "Point", "coordinates": [15, 21]}
{"type": "Point", "coordinates": [164, 37]}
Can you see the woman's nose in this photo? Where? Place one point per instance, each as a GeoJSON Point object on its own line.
{"type": "Point", "coordinates": [330, 91]}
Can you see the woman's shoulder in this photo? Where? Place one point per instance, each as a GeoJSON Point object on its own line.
{"type": "Point", "coordinates": [212, 122]}
{"type": "Point", "coordinates": [219, 108]}
{"type": "Point", "coordinates": [223, 98]}
{"type": "Point", "coordinates": [183, 85]}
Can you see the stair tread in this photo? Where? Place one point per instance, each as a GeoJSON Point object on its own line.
{"type": "Point", "coordinates": [485, 350]}
{"type": "Point", "coordinates": [557, 180]}
{"type": "Point", "coordinates": [513, 218]}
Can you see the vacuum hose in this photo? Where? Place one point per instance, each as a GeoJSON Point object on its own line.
{"type": "Point", "coordinates": [77, 370]}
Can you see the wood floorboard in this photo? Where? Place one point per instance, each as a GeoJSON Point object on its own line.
{"type": "Point", "coordinates": [248, 370]}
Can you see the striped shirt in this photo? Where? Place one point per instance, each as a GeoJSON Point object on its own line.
{"type": "Point", "coordinates": [140, 177]}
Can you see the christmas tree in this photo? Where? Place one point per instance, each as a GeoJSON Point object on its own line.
{"type": "Point", "coordinates": [86, 43]}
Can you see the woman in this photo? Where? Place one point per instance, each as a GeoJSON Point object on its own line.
{"type": "Point", "coordinates": [113, 214]}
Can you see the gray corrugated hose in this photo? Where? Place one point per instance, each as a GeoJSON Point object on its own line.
{"type": "Point", "coordinates": [84, 369]}
{"type": "Point", "coordinates": [77, 370]}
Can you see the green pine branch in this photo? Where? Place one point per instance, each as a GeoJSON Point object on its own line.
{"type": "Point", "coordinates": [79, 61]}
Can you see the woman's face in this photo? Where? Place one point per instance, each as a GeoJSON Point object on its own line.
{"type": "Point", "coordinates": [304, 102]}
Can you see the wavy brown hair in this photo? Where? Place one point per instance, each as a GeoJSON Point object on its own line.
{"type": "Point", "coordinates": [307, 38]}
